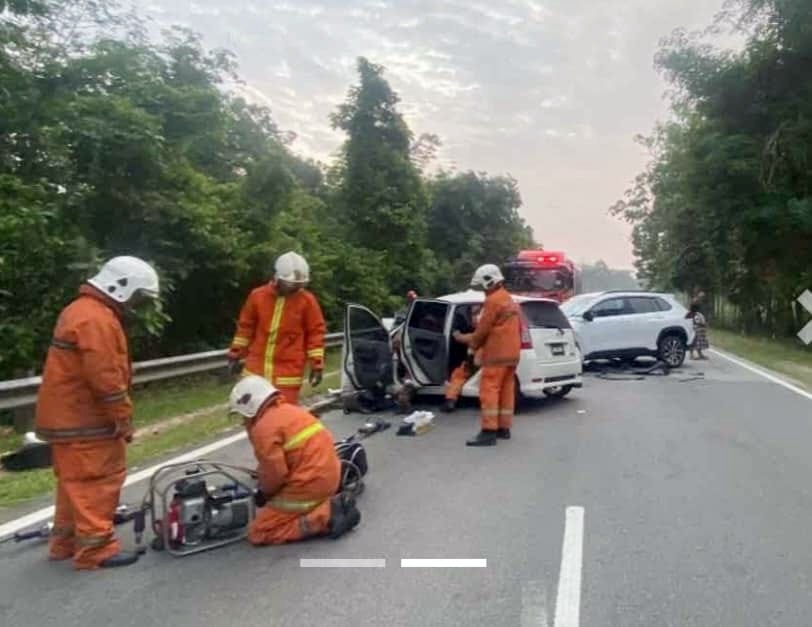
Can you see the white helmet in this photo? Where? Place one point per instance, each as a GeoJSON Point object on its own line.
{"type": "Point", "coordinates": [121, 277]}
{"type": "Point", "coordinates": [292, 268]}
{"type": "Point", "coordinates": [249, 395]}
{"type": "Point", "coordinates": [487, 277]}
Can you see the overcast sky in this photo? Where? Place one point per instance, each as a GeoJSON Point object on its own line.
{"type": "Point", "coordinates": [549, 91]}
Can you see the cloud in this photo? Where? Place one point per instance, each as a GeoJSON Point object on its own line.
{"type": "Point", "coordinates": [551, 91]}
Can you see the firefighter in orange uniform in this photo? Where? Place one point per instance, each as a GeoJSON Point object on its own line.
{"type": "Point", "coordinates": [298, 468]}
{"type": "Point", "coordinates": [498, 335]}
{"type": "Point", "coordinates": [280, 329]}
{"type": "Point", "coordinates": [84, 411]}
{"type": "Point", "coordinates": [464, 371]}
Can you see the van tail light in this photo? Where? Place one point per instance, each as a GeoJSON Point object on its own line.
{"type": "Point", "coordinates": [527, 341]}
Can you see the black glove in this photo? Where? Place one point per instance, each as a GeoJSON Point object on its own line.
{"type": "Point", "coordinates": [259, 498]}
{"type": "Point", "coordinates": [234, 367]}
{"type": "Point", "coordinates": [315, 377]}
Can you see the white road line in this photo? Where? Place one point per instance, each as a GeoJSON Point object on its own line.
{"type": "Point", "coordinates": [41, 515]}
{"type": "Point", "coordinates": [534, 605]}
{"type": "Point", "coordinates": [443, 563]}
{"type": "Point", "coordinates": [343, 563]}
{"type": "Point", "coordinates": [762, 373]}
{"type": "Point", "coordinates": [568, 601]}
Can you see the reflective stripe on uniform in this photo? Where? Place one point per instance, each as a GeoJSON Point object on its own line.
{"type": "Point", "coordinates": [490, 412]}
{"type": "Point", "coordinates": [273, 330]}
{"type": "Point", "coordinates": [62, 532]}
{"type": "Point", "coordinates": [64, 344]}
{"type": "Point", "coordinates": [289, 505]}
{"type": "Point", "coordinates": [240, 342]}
{"type": "Point", "coordinates": [114, 397]}
{"type": "Point", "coordinates": [288, 382]}
{"type": "Point", "coordinates": [505, 362]}
{"type": "Point", "coordinates": [315, 353]}
{"type": "Point", "coordinates": [65, 434]}
{"type": "Point", "coordinates": [92, 541]}
{"type": "Point", "coordinates": [303, 436]}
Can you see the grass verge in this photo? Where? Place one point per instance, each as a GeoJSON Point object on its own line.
{"type": "Point", "coordinates": [787, 357]}
{"type": "Point", "coordinates": [154, 405]}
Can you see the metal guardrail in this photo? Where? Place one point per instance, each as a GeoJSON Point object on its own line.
{"type": "Point", "coordinates": [18, 393]}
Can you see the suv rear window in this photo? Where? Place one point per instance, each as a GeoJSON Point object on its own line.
{"type": "Point", "coordinates": [540, 315]}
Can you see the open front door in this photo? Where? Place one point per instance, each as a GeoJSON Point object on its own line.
{"type": "Point", "coordinates": [425, 345]}
{"type": "Point", "coordinates": [367, 354]}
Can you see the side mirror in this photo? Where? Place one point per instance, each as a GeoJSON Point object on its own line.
{"type": "Point", "coordinates": [588, 316]}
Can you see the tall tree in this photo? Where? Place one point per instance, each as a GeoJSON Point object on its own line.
{"type": "Point", "coordinates": [382, 198]}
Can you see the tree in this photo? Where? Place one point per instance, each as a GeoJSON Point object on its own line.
{"type": "Point", "coordinates": [380, 194]}
{"type": "Point", "coordinates": [726, 202]}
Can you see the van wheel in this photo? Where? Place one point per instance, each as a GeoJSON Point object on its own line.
{"type": "Point", "coordinates": [558, 392]}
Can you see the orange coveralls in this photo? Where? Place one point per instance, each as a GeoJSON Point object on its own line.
{"type": "Point", "coordinates": [299, 472]}
{"type": "Point", "coordinates": [498, 336]}
{"type": "Point", "coordinates": [461, 374]}
{"type": "Point", "coordinates": [277, 335]}
{"type": "Point", "coordinates": [84, 411]}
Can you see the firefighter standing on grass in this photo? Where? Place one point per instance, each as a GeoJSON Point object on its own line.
{"type": "Point", "coordinates": [281, 327]}
{"type": "Point", "coordinates": [84, 411]}
{"type": "Point", "coordinates": [498, 335]}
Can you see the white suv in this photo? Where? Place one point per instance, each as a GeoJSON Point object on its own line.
{"type": "Point", "coordinates": [630, 324]}
{"type": "Point", "coordinates": [424, 351]}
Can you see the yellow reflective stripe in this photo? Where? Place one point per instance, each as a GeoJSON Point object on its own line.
{"type": "Point", "coordinates": [490, 412]}
{"type": "Point", "coordinates": [270, 349]}
{"type": "Point", "coordinates": [287, 505]}
{"type": "Point", "coordinates": [240, 341]}
{"type": "Point", "coordinates": [115, 397]}
{"type": "Point", "coordinates": [288, 381]}
{"type": "Point", "coordinates": [314, 353]}
{"type": "Point", "coordinates": [303, 435]}
{"type": "Point", "coordinates": [93, 541]}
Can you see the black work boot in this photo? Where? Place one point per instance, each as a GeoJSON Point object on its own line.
{"type": "Point", "coordinates": [483, 438]}
{"type": "Point", "coordinates": [343, 515]}
{"type": "Point", "coordinates": [449, 405]}
{"type": "Point", "coordinates": [503, 434]}
{"type": "Point", "coordinates": [125, 558]}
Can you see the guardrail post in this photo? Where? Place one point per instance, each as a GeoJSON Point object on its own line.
{"type": "Point", "coordinates": [24, 416]}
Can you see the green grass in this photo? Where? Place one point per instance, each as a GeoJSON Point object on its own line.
{"type": "Point", "coordinates": [154, 404]}
{"type": "Point", "coordinates": [787, 357]}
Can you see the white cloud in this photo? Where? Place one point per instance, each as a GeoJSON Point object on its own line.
{"type": "Point", "coordinates": [513, 86]}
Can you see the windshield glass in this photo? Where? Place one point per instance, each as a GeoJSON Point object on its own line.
{"type": "Point", "coordinates": [532, 279]}
{"type": "Point", "coordinates": [577, 305]}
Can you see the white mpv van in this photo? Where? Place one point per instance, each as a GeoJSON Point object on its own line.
{"type": "Point", "coordinates": [550, 363]}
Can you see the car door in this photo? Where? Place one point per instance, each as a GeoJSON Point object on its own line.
{"type": "Point", "coordinates": [425, 341]}
{"type": "Point", "coordinates": [606, 331]}
{"type": "Point", "coordinates": [645, 322]}
{"type": "Point", "coordinates": [366, 356]}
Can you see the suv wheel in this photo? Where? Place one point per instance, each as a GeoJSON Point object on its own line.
{"type": "Point", "coordinates": [671, 349]}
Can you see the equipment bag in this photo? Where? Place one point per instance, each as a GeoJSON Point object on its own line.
{"type": "Point", "coordinates": [352, 451]}
{"type": "Point", "coordinates": [354, 466]}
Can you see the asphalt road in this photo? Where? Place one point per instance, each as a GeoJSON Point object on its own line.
{"type": "Point", "coordinates": [696, 499]}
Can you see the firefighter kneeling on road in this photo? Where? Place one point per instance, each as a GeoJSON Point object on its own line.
{"type": "Point", "coordinates": [298, 468]}
{"type": "Point", "coordinates": [498, 334]}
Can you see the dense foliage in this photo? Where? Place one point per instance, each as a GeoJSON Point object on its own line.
{"type": "Point", "coordinates": [111, 143]}
{"type": "Point", "coordinates": [725, 206]}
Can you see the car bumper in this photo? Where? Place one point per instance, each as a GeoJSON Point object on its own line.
{"type": "Point", "coordinates": [539, 376]}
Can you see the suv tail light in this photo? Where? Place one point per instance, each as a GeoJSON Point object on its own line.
{"type": "Point", "coordinates": [527, 341]}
